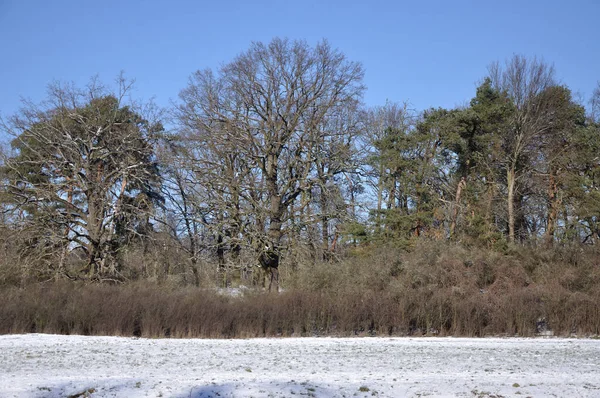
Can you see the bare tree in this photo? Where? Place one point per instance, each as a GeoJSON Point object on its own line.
{"type": "Point", "coordinates": [524, 81]}
{"type": "Point", "coordinates": [182, 216]}
{"type": "Point", "coordinates": [336, 158]}
{"type": "Point", "coordinates": [269, 105]}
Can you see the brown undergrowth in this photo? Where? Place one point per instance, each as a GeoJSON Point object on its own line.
{"type": "Point", "coordinates": [431, 290]}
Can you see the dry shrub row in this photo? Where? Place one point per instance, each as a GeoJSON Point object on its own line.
{"type": "Point", "coordinates": [434, 289]}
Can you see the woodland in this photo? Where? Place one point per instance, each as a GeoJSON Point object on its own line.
{"type": "Point", "coordinates": [269, 200]}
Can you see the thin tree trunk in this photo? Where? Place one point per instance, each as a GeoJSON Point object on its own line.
{"type": "Point", "coordinates": [490, 200]}
{"type": "Point", "coordinates": [65, 250]}
{"type": "Point", "coordinates": [221, 259]}
{"type": "Point", "coordinates": [324, 226]}
{"type": "Point", "coordinates": [379, 198]}
{"type": "Point", "coordinates": [510, 178]}
{"type": "Point", "coordinates": [352, 209]}
{"type": "Point", "coordinates": [461, 185]}
{"type": "Point", "coordinates": [192, 232]}
{"type": "Point", "coordinates": [417, 227]}
{"type": "Point", "coordinates": [553, 207]}
{"type": "Point", "coordinates": [391, 203]}
{"type": "Point", "coordinates": [275, 234]}
{"type": "Point", "coordinates": [336, 235]}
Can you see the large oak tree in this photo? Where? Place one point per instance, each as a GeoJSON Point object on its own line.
{"type": "Point", "coordinates": [272, 107]}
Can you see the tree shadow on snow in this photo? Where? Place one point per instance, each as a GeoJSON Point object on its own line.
{"type": "Point", "coordinates": [128, 387]}
{"type": "Point", "coordinates": [255, 389]}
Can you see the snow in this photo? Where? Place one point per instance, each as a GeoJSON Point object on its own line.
{"type": "Point", "coordinates": [38, 365]}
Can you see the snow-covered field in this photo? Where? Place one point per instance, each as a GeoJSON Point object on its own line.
{"type": "Point", "coordinates": [58, 366]}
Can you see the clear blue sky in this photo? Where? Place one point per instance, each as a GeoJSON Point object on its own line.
{"type": "Point", "coordinates": [430, 53]}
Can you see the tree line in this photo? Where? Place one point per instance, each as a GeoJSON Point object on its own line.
{"type": "Point", "coordinates": [273, 159]}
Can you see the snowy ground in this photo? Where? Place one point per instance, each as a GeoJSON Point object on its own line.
{"type": "Point", "coordinates": [58, 366]}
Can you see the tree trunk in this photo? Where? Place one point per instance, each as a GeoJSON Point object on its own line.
{"type": "Point", "coordinates": [379, 199]}
{"type": "Point", "coordinates": [275, 234]}
{"type": "Point", "coordinates": [222, 271]}
{"type": "Point", "coordinates": [65, 249]}
{"type": "Point", "coordinates": [275, 222]}
{"type": "Point", "coordinates": [93, 229]}
{"type": "Point", "coordinates": [336, 235]}
{"type": "Point", "coordinates": [417, 227]}
{"type": "Point", "coordinates": [510, 198]}
{"type": "Point", "coordinates": [274, 278]}
{"type": "Point", "coordinates": [553, 206]}
{"type": "Point", "coordinates": [324, 226]}
{"type": "Point", "coordinates": [461, 185]}
{"type": "Point", "coordinates": [192, 232]}
{"type": "Point", "coordinates": [392, 203]}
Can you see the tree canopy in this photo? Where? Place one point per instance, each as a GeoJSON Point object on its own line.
{"type": "Point", "coordinates": [273, 157]}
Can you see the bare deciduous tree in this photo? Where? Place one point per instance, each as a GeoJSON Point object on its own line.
{"type": "Point", "coordinates": [270, 105]}
{"type": "Point", "coordinates": [524, 80]}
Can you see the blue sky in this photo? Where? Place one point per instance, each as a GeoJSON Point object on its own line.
{"type": "Point", "coordinates": [430, 53]}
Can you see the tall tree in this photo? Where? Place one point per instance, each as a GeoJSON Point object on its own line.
{"type": "Point", "coordinates": [408, 161]}
{"type": "Point", "coordinates": [83, 172]}
{"type": "Point", "coordinates": [385, 128]}
{"type": "Point", "coordinates": [523, 80]}
{"type": "Point", "coordinates": [558, 153]}
{"type": "Point", "coordinates": [335, 158]}
{"type": "Point", "coordinates": [474, 138]}
{"type": "Point", "coordinates": [269, 105]}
